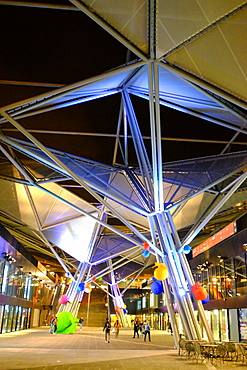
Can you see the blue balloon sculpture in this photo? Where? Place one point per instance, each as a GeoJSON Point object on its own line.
{"type": "Point", "coordinates": [157, 287]}
{"type": "Point", "coordinates": [81, 287]}
{"type": "Point", "coordinates": [145, 253]}
{"type": "Point", "coordinates": [206, 300]}
{"type": "Point", "coordinates": [187, 249]}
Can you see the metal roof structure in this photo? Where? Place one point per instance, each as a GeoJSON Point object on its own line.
{"type": "Point", "coordinates": [191, 59]}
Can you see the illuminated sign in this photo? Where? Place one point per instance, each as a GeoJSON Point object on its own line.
{"type": "Point", "coordinates": [215, 239]}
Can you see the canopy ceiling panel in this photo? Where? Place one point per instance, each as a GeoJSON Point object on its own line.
{"type": "Point", "coordinates": [177, 21]}
{"type": "Point", "coordinates": [116, 246]}
{"type": "Point", "coordinates": [128, 17]}
{"type": "Point", "coordinates": [131, 216]}
{"type": "Point", "coordinates": [195, 207]}
{"type": "Point", "coordinates": [95, 174]}
{"type": "Point", "coordinates": [109, 246]}
{"type": "Point", "coordinates": [14, 201]}
{"type": "Point", "coordinates": [192, 210]}
{"type": "Point", "coordinates": [179, 93]}
{"type": "Point", "coordinates": [224, 65]}
{"type": "Point", "coordinates": [51, 210]}
{"type": "Point", "coordinates": [73, 237]}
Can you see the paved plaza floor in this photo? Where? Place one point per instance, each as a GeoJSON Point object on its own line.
{"type": "Point", "coordinates": [37, 349]}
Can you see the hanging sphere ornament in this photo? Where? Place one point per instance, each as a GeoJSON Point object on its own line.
{"type": "Point", "coordinates": [81, 287]}
{"type": "Point", "coordinates": [117, 309]}
{"type": "Point", "coordinates": [199, 292]}
{"type": "Point", "coordinates": [146, 246]}
{"type": "Point", "coordinates": [187, 249]}
{"type": "Point", "coordinates": [206, 300]}
{"type": "Point", "coordinates": [88, 289]}
{"type": "Point", "coordinates": [157, 287]}
{"type": "Point", "coordinates": [161, 272]}
{"type": "Point", "coordinates": [145, 253]}
{"type": "Point", "coordinates": [64, 299]}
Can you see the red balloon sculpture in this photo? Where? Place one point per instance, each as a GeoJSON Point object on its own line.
{"type": "Point", "coordinates": [199, 292]}
{"type": "Point", "coordinates": [146, 246]}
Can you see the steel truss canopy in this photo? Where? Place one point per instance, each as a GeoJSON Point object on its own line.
{"type": "Point", "coordinates": [189, 59]}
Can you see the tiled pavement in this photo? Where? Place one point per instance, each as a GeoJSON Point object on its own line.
{"type": "Point", "coordinates": [37, 349]}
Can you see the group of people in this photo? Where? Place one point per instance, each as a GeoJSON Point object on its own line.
{"type": "Point", "coordinates": [107, 329]}
{"type": "Point", "coordinates": [143, 328]}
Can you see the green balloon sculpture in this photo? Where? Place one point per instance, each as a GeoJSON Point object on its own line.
{"type": "Point", "coordinates": [66, 323]}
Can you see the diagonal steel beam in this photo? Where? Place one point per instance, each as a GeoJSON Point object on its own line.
{"type": "Point", "coordinates": [112, 31]}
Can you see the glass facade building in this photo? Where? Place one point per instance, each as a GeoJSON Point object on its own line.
{"type": "Point", "coordinates": [26, 293]}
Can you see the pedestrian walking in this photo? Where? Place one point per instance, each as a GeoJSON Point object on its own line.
{"type": "Point", "coordinates": [141, 328]}
{"type": "Point", "coordinates": [54, 323]}
{"type": "Point", "coordinates": [81, 321]}
{"type": "Point", "coordinates": [116, 328]}
{"type": "Point", "coordinates": [136, 329]}
{"type": "Point", "coordinates": [106, 329]}
{"type": "Point", "coordinates": [51, 325]}
{"type": "Point", "coordinates": [169, 326]}
{"type": "Point", "coordinates": [147, 331]}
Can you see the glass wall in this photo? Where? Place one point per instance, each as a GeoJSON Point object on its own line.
{"type": "Point", "coordinates": [226, 279]}
{"type": "Point", "coordinates": [15, 283]}
{"type": "Point", "coordinates": [13, 318]}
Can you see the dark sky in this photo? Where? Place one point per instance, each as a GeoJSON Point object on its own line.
{"type": "Point", "coordinates": [63, 47]}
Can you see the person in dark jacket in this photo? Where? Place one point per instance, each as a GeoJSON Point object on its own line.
{"type": "Point", "coordinates": [107, 329]}
{"type": "Point", "coordinates": [136, 329]}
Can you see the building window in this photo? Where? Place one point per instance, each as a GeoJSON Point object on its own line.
{"type": "Point", "coordinates": [144, 302]}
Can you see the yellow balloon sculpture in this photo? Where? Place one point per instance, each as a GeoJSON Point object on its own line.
{"type": "Point", "coordinates": [161, 272]}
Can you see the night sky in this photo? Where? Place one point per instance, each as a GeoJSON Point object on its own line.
{"type": "Point", "coordinates": [63, 47]}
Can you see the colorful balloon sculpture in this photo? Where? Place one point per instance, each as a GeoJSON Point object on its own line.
{"type": "Point", "coordinates": [187, 249]}
{"type": "Point", "coordinates": [206, 300]}
{"type": "Point", "coordinates": [199, 292]}
{"type": "Point", "coordinates": [145, 253]}
{"type": "Point", "coordinates": [88, 289]}
{"type": "Point", "coordinates": [81, 287]}
{"type": "Point", "coordinates": [157, 287]}
{"type": "Point", "coordinates": [64, 299]}
{"type": "Point", "coordinates": [146, 246]}
{"type": "Point", "coordinates": [161, 272]}
{"type": "Point", "coordinates": [66, 323]}
{"type": "Point", "coordinates": [117, 309]}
